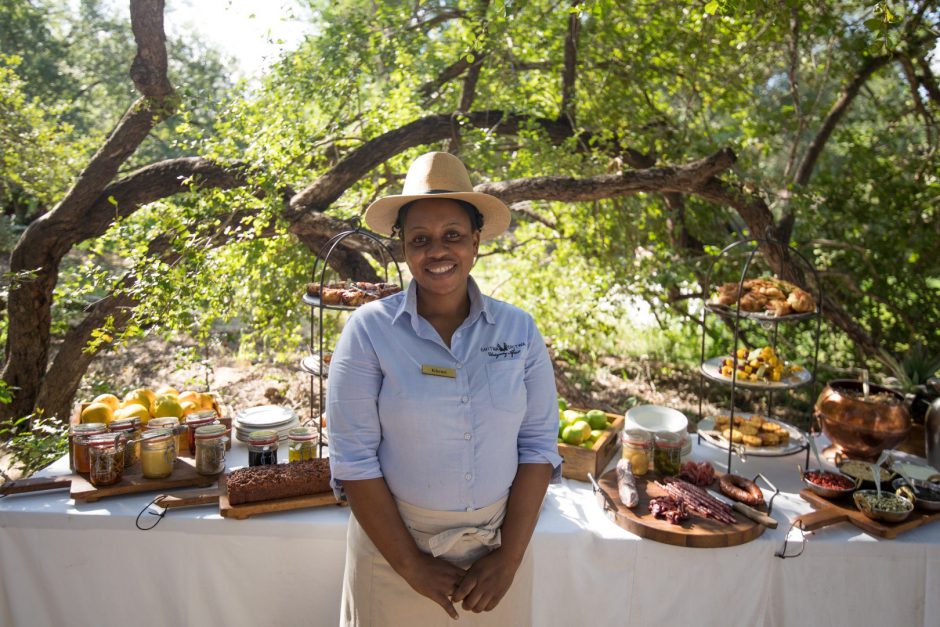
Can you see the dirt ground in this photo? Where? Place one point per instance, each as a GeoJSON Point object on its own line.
{"type": "Point", "coordinates": [613, 383]}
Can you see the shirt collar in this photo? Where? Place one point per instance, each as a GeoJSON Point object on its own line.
{"type": "Point", "coordinates": [478, 304]}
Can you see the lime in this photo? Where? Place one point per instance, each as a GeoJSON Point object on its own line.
{"type": "Point", "coordinates": [596, 433]}
{"type": "Point", "coordinates": [572, 435]}
{"type": "Point", "coordinates": [562, 404]}
{"type": "Point", "coordinates": [597, 418]}
{"type": "Point", "coordinates": [571, 415]}
{"type": "Point", "coordinates": [585, 429]}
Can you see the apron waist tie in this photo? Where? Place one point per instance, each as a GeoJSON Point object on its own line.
{"type": "Point", "coordinates": [446, 540]}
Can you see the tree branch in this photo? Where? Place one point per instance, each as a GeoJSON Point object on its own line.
{"type": "Point", "coordinates": [928, 80]}
{"type": "Point", "coordinates": [148, 70]}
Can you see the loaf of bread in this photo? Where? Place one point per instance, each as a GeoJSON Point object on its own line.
{"type": "Point", "coordinates": [278, 481]}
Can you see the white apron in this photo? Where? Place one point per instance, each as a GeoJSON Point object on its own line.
{"type": "Point", "coordinates": [375, 595]}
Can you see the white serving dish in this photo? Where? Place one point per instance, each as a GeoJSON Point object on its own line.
{"type": "Point", "coordinates": [654, 418]}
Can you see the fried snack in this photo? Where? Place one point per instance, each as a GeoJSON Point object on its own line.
{"type": "Point", "coordinates": [779, 307]}
{"type": "Point", "coordinates": [770, 427]}
{"type": "Point", "coordinates": [747, 429]}
{"type": "Point", "coordinates": [735, 436]}
{"type": "Point", "coordinates": [752, 440]}
{"type": "Point", "coordinates": [755, 421]}
{"type": "Point", "coordinates": [781, 298]}
{"type": "Point", "coordinates": [721, 422]}
{"type": "Point", "coordinates": [801, 301]}
{"type": "Point", "coordinates": [769, 439]}
{"type": "Point", "coordinates": [753, 302]}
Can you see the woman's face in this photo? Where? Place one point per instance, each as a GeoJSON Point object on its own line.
{"type": "Point", "coordinates": [440, 245]}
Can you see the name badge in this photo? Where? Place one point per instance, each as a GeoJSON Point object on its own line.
{"type": "Point", "coordinates": [439, 371]}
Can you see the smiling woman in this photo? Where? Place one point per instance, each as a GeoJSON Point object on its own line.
{"type": "Point", "coordinates": [443, 446]}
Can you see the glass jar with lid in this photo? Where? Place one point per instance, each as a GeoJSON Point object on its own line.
{"type": "Point", "coordinates": [667, 453]}
{"type": "Point", "coordinates": [302, 444]}
{"type": "Point", "coordinates": [210, 449]}
{"type": "Point", "coordinates": [262, 447]}
{"type": "Point", "coordinates": [638, 448]}
{"type": "Point", "coordinates": [181, 446]}
{"type": "Point", "coordinates": [106, 458]}
{"type": "Point", "coordinates": [78, 446]}
{"type": "Point", "coordinates": [131, 429]}
{"type": "Point", "coordinates": [157, 453]}
{"type": "Point", "coordinates": [194, 421]}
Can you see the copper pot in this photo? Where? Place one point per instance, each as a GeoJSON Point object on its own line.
{"type": "Point", "coordinates": [860, 428]}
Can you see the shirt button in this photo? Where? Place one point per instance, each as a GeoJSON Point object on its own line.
{"type": "Point", "coordinates": [469, 509]}
{"type": "Point", "coordinates": [468, 476]}
{"type": "Point", "coordinates": [459, 365]}
{"type": "Point", "coordinates": [467, 436]}
{"type": "Point", "coordinates": [465, 399]}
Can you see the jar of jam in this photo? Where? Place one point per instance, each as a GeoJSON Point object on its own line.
{"type": "Point", "coordinates": [210, 449]}
{"type": "Point", "coordinates": [172, 424]}
{"type": "Point", "coordinates": [262, 447]}
{"type": "Point", "coordinates": [667, 453]}
{"type": "Point", "coordinates": [78, 446]}
{"type": "Point", "coordinates": [157, 453]}
{"type": "Point", "coordinates": [106, 458]}
{"type": "Point", "coordinates": [302, 444]}
{"type": "Point", "coordinates": [131, 429]}
{"type": "Point", "coordinates": [638, 448]}
{"type": "Point", "coordinates": [194, 421]}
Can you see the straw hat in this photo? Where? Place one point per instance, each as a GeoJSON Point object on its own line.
{"type": "Point", "coordinates": [438, 175]}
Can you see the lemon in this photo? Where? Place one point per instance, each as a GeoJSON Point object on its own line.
{"type": "Point", "coordinates": [167, 406]}
{"type": "Point", "coordinates": [133, 410]}
{"type": "Point", "coordinates": [190, 397]}
{"type": "Point", "coordinates": [188, 407]}
{"type": "Point", "coordinates": [206, 401]}
{"type": "Point", "coordinates": [150, 395]}
{"type": "Point", "coordinates": [110, 400]}
{"type": "Point", "coordinates": [167, 390]}
{"type": "Point", "coordinates": [596, 433]}
{"type": "Point", "coordinates": [98, 412]}
{"type": "Point", "coordinates": [572, 436]}
{"type": "Point", "coordinates": [138, 398]}
{"type": "Point", "coordinates": [585, 429]}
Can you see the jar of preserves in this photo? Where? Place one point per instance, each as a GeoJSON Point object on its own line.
{"type": "Point", "coordinates": [667, 453]}
{"type": "Point", "coordinates": [106, 458]}
{"type": "Point", "coordinates": [638, 448]}
{"type": "Point", "coordinates": [194, 421]}
{"type": "Point", "coordinates": [131, 429]}
{"type": "Point", "coordinates": [210, 449]}
{"type": "Point", "coordinates": [262, 447]}
{"type": "Point", "coordinates": [157, 453]}
{"type": "Point", "coordinates": [172, 424]}
{"type": "Point", "coordinates": [78, 446]}
{"type": "Point", "coordinates": [302, 444]}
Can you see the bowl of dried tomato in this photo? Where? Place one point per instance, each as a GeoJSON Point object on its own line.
{"type": "Point", "coordinates": [831, 485]}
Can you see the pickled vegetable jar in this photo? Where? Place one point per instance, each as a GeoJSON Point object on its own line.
{"type": "Point", "coordinates": [131, 429]}
{"type": "Point", "coordinates": [638, 448]}
{"type": "Point", "coordinates": [302, 444]}
{"type": "Point", "coordinates": [667, 453]}
{"type": "Point", "coordinates": [210, 449]}
{"type": "Point", "coordinates": [106, 458]}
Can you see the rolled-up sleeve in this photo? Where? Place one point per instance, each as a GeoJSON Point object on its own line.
{"type": "Point", "coordinates": [538, 434]}
{"type": "Point", "coordinates": [352, 406]}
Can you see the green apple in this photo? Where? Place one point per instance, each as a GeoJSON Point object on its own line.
{"type": "Point", "coordinates": [587, 444]}
{"type": "Point", "coordinates": [597, 418]}
{"type": "Point", "coordinates": [596, 433]}
{"type": "Point", "coordinates": [585, 429]}
{"type": "Point", "coordinates": [562, 404]}
{"type": "Point", "coordinates": [571, 416]}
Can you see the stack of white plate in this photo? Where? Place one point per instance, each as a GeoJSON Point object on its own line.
{"type": "Point", "coordinates": [277, 417]}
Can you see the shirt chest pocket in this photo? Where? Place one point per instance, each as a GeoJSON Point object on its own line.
{"type": "Point", "coordinates": [506, 380]}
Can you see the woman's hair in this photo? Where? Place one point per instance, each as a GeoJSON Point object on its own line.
{"type": "Point", "coordinates": [476, 218]}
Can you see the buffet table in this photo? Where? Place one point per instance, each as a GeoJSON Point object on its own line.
{"type": "Point", "coordinates": [71, 563]}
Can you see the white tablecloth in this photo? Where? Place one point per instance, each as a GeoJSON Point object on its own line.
{"type": "Point", "coordinates": [67, 563]}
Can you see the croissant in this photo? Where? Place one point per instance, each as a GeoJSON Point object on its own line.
{"type": "Point", "coordinates": [801, 301]}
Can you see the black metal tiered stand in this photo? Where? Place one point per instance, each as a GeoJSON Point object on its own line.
{"type": "Point", "coordinates": [770, 323]}
{"type": "Point", "coordinates": [320, 265]}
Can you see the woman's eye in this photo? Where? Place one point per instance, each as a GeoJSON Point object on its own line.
{"type": "Point", "coordinates": [419, 240]}
{"type": "Point", "coordinates": [453, 235]}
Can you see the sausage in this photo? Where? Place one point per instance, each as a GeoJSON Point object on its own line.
{"type": "Point", "coordinates": [741, 489]}
{"type": "Point", "coordinates": [626, 484]}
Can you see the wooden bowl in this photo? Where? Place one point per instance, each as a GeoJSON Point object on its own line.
{"type": "Point", "coordinates": [862, 429]}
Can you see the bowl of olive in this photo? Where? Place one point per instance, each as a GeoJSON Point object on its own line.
{"type": "Point", "coordinates": [888, 507]}
{"type": "Point", "coordinates": [927, 496]}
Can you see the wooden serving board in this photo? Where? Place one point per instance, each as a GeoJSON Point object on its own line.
{"type": "Point", "coordinates": [184, 476]}
{"type": "Point", "coordinates": [697, 532]}
{"type": "Point", "coordinates": [831, 512]}
{"type": "Point", "coordinates": [246, 510]}
{"type": "Point", "coordinates": [579, 461]}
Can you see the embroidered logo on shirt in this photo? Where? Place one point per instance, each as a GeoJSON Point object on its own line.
{"type": "Point", "coordinates": [503, 350]}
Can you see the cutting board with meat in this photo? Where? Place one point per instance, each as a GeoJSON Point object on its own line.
{"type": "Point", "coordinates": [830, 512]}
{"type": "Point", "coordinates": [697, 531]}
{"type": "Point", "coordinates": [248, 492]}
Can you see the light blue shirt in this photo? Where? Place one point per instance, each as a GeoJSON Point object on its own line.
{"type": "Point", "coordinates": [442, 443]}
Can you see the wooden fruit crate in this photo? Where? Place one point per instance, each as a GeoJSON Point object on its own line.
{"type": "Point", "coordinates": [579, 461]}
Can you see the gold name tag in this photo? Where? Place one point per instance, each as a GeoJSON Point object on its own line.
{"type": "Point", "coordinates": [439, 371]}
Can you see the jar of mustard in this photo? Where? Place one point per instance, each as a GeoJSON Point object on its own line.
{"type": "Point", "coordinates": [157, 453]}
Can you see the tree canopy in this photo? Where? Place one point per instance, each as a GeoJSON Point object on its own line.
{"type": "Point", "coordinates": [633, 140]}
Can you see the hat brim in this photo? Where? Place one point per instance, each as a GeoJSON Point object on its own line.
{"type": "Point", "coordinates": [382, 214]}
